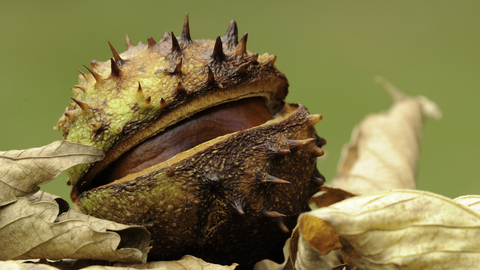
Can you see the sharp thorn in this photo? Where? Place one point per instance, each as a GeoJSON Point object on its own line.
{"type": "Point", "coordinates": [71, 115]}
{"type": "Point", "coordinates": [75, 91]}
{"type": "Point", "coordinates": [210, 77]}
{"type": "Point", "coordinates": [281, 224]}
{"type": "Point", "coordinates": [274, 180]}
{"type": "Point", "coordinates": [284, 152]}
{"type": "Point", "coordinates": [179, 88]}
{"type": "Point", "coordinates": [242, 69]}
{"type": "Point", "coordinates": [175, 46]}
{"type": "Point", "coordinates": [178, 68]}
{"type": "Point", "coordinates": [272, 214]}
{"type": "Point", "coordinates": [238, 206]}
{"type": "Point", "coordinates": [115, 68]}
{"type": "Point", "coordinates": [139, 92]}
{"type": "Point", "coordinates": [82, 105]}
{"type": "Point", "coordinates": [314, 150]}
{"type": "Point", "coordinates": [116, 56]}
{"type": "Point", "coordinates": [151, 42]}
{"type": "Point", "coordinates": [242, 46]}
{"type": "Point", "coordinates": [97, 76]}
{"type": "Point", "coordinates": [295, 145]}
{"type": "Point", "coordinates": [218, 50]}
{"type": "Point", "coordinates": [81, 87]}
{"type": "Point", "coordinates": [129, 42]}
{"type": "Point", "coordinates": [81, 72]}
{"type": "Point", "coordinates": [313, 119]}
{"type": "Point", "coordinates": [163, 104]}
{"type": "Point", "coordinates": [145, 104]}
{"type": "Point", "coordinates": [185, 37]}
{"type": "Point", "coordinates": [148, 100]}
{"type": "Point", "coordinates": [97, 127]}
{"type": "Point", "coordinates": [231, 36]}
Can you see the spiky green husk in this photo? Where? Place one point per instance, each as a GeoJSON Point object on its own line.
{"type": "Point", "coordinates": [150, 87]}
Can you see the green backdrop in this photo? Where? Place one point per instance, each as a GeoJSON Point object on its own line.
{"type": "Point", "coordinates": [329, 50]}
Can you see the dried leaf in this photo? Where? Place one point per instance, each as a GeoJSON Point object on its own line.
{"type": "Point", "coordinates": [40, 228]}
{"type": "Point", "coordinates": [304, 256]}
{"type": "Point", "coordinates": [384, 148]}
{"type": "Point", "coordinates": [14, 265]}
{"type": "Point", "coordinates": [324, 242]}
{"type": "Point", "coordinates": [404, 229]}
{"type": "Point", "coordinates": [187, 262]}
{"type": "Point", "coordinates": [310, 245]}
{"type": "Point", "coordinates": [472, 201]}
{"type": "Point", "coordinates": [328, 196]}
{"type": "Point", "coordinates": [21, 171]}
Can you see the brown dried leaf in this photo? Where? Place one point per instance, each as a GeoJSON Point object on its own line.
{"type": "Point", "coordinates": [318, 234]}
{"type": "Point", "coordinates": [21, 171]}
{"type": "Point", "coordinates": [41, 229]}
{"type": "Point", "coordinates": [328, 196]}
{"type": "Point", "coordinates": [404, 229]}
{"type": "Point", "coordinates": [384, 148]}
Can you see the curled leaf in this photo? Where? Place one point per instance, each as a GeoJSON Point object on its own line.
{"type": "Point", "coordinates": [40, 228]}
{"type": "Point", "coordinates": [21, 171]}
{"type": "Point", "coordinates": [384, 148]}
{"type": "Point", "coordinates": [404, 229]}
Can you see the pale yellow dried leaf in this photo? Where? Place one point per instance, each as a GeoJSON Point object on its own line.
{"type": "Point", "coordinates": [405, 229]}
{"type": "Point", "coordinates": [384, 148]}
{"type": "Point", "coordinates": [308, 257]}
{"type": "Point", "coordinates": [472, 201]}
{"type": "Point", "coordinates": [21, 171]}
{"type": "Point", "coordinates": [311, 245]}
{"type": "Point", "coordinates": [36, 230]}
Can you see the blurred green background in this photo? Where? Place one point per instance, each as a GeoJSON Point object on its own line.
{"type": "Point", "coordinates": [329, 50]}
